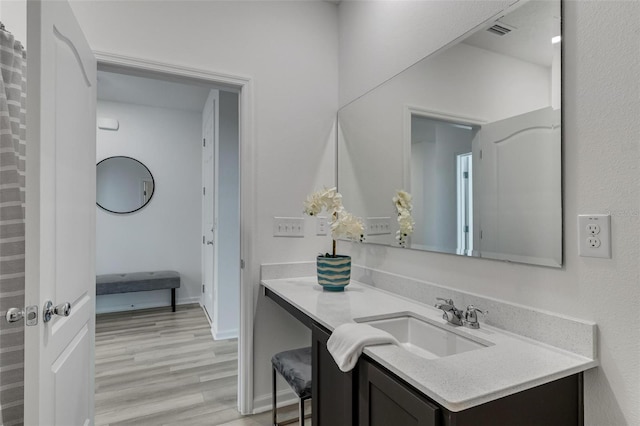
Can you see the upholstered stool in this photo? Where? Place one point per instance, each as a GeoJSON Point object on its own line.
{"type": "Point", "coordinates": [295, 367]}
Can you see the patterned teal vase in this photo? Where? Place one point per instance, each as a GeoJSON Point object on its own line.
{"type": "Point", "coordinates": [334, 273]}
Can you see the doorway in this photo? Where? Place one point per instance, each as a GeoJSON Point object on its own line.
{"type": "Point", "coordinates": [441, 180]}
{"type": "Point", "coordinates": [164, 122]}
{"type": "Point", "coordinates": [464, 184]}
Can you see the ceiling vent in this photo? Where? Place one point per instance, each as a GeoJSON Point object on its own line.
{"type": "Point", "coordinates": [500, 28]}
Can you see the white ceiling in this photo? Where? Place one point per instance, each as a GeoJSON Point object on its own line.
{"type": "Point", "coordinates": [535, 23]}
{"type": "Point", "coordinates": [151, 92]}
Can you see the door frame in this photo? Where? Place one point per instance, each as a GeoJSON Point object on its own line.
{"type": "Point", "coordinates": [248, 273]}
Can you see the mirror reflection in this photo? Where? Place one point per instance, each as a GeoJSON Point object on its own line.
{"type": "Point", "coordinates": [473, 133]}
{"type": "Point", "coordinates": [124, 185]}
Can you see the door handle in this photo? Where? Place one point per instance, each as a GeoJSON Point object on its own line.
{"type": "Point", "coordinates": [16, 314]}
{"type": "Point", "coordinates": [210, 243]}
{"type": "Point", "coordinates": [63, 310]}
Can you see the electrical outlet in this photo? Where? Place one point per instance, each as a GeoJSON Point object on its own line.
{"type": "Point", "coordinates": [377, 226]}
{"type": "Point", "coordinates": [593, 242]}
{"type": "Point", "coordinates": [594, 235]}
{"type": "Point", "coordinates": [322, 225]}
{"type": "Point", "coordinates": [288, 227]}
{"type": "Point", "coordinates": [593, 228]}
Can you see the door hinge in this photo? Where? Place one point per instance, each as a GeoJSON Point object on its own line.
{"type": "Point", "coordinates": [480, 234]}
{"type": "Point", "coordinates": [481, 154]}
{"type": "Point", "coordinates": [465, 175]}
{"type": "Point", "coordinates": [241, 263]}
{"type": "Point", "coordinates": [203, 288]}
{"type": "Point", "coordinates": [204, 190]}
{"type": "Point", "coordinates": [466, 228]}
{"type": "Point", "coordinates": [204, 142]}
{"type": "Point", "coordinates": [203, 239]}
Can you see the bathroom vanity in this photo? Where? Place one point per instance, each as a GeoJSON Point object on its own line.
{"type": "Point", "coordinates": [497, 378]}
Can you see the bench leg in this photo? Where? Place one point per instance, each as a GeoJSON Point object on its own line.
{"type": "Point", "coordinates": [173, 299]}
{"type": "Point", "coordinates": [274, 406]}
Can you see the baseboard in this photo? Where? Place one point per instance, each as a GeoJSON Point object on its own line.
{"type": "Point", "coordinates": [264, 403]}
{"type": "Point", "coordinates": [122, 307]}
{"type": "Point", "coordinates": [224, 335]}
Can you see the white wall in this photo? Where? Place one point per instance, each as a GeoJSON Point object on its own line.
{"type": "Point", "coordinates": [392, 35]}
{"type": "Point", "coordinates": [13, 14]}
{"type": "Point", "coordinates": [165, 234]}
{"type": "Point", "coordinates": [290, 50]}
{"type": "Point", "coordinates": [600, 160]}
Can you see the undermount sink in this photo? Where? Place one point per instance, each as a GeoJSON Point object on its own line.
{"type": "Point", "coordinates": [422, 337]}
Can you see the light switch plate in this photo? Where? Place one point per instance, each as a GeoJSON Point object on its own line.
{"type": "Point", "coordinates": [594, 235]}
{"type": "Point", "coordinates": [288, 227]}
{"type": "Point", "coordinates": [377, 226]}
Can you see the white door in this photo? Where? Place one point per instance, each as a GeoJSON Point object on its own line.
{"type": "Point", "coordinates": [60, 216]}
{"type": "Point", "coordinates": [209, 207]}
{"type": "Point", "coordinates": [519, 208]}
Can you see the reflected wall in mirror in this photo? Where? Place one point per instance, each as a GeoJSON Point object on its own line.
{"type": "Point", "coordinates": [124, 185]}
{"type": "Point", "coordinates": [473, 133]}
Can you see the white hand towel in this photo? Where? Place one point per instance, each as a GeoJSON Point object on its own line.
{"type": "Point", "coordinates": [348, 340]}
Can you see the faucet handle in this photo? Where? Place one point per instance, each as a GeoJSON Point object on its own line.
{"type": "Point", "coordinates": [472, 308]}
{"type": "Point", "coordinates": [471, 316]}
{"type": "Point", "coordinates": [447, 301]}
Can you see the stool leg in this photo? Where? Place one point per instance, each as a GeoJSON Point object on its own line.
{"type": "Point", "coordinates": [301, 405]}
{"type": "Point", "coordinates": [173, 299]}
{"type": "Point", "coordinates": [274, 413]}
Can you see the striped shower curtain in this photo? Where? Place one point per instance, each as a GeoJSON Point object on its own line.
{"type": "Point", "coordinates": [12, 224]}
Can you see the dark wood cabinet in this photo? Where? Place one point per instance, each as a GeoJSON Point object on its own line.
{"type": "Point", "coordinates": [383, 401]}
{"type": "Point", "coordinates": [334, 392]}
{"type": "Point", "coordinates": [371, 395]}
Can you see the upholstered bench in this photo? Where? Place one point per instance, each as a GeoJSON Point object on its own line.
{"type": "Point", "coordinates": [139, 281]}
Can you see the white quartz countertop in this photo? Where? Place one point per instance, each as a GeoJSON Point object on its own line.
{"type": "Point", "coordinates": [511, 364]}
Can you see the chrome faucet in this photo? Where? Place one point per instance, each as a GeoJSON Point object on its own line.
{"type": "Point", "coordinates": [471, 316]}
{"type": "Point", "coordinates": [455, 316]}
{"type": "Point", "coordinates": [452, 314]}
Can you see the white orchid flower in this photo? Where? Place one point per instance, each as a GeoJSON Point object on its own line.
{"type": "Point", "coordinates": [348, 226]}
{"type": "Point", "coordinates": [402, 201]}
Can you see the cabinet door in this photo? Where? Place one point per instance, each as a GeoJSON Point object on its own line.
{"type": "Point", "coordinates": [333, 399]}
{"type": "Point", "coordinates": [384, 401]}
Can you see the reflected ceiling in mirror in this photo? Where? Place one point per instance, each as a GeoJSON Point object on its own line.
{"type": "Point", "coordinates": [473, 133]}
{"type": "Point", "coordinates": [123, 185]}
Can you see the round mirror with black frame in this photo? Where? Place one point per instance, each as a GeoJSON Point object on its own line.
{"type": "Point", "coordinates": [123, 185]}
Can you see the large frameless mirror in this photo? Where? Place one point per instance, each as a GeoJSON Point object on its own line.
{"type": "Point", "coordinates": [124, 185]}
{"type": "Point", "coordinates": [473, 133]}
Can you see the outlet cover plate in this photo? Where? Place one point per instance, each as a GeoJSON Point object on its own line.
{"type": "Point", "coordinates": [594, 235]}
{"type": "Point", "coordinates": [322, 225]}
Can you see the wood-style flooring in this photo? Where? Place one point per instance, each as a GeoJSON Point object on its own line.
{"type": "Point", "coordinates": [157, 367]}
